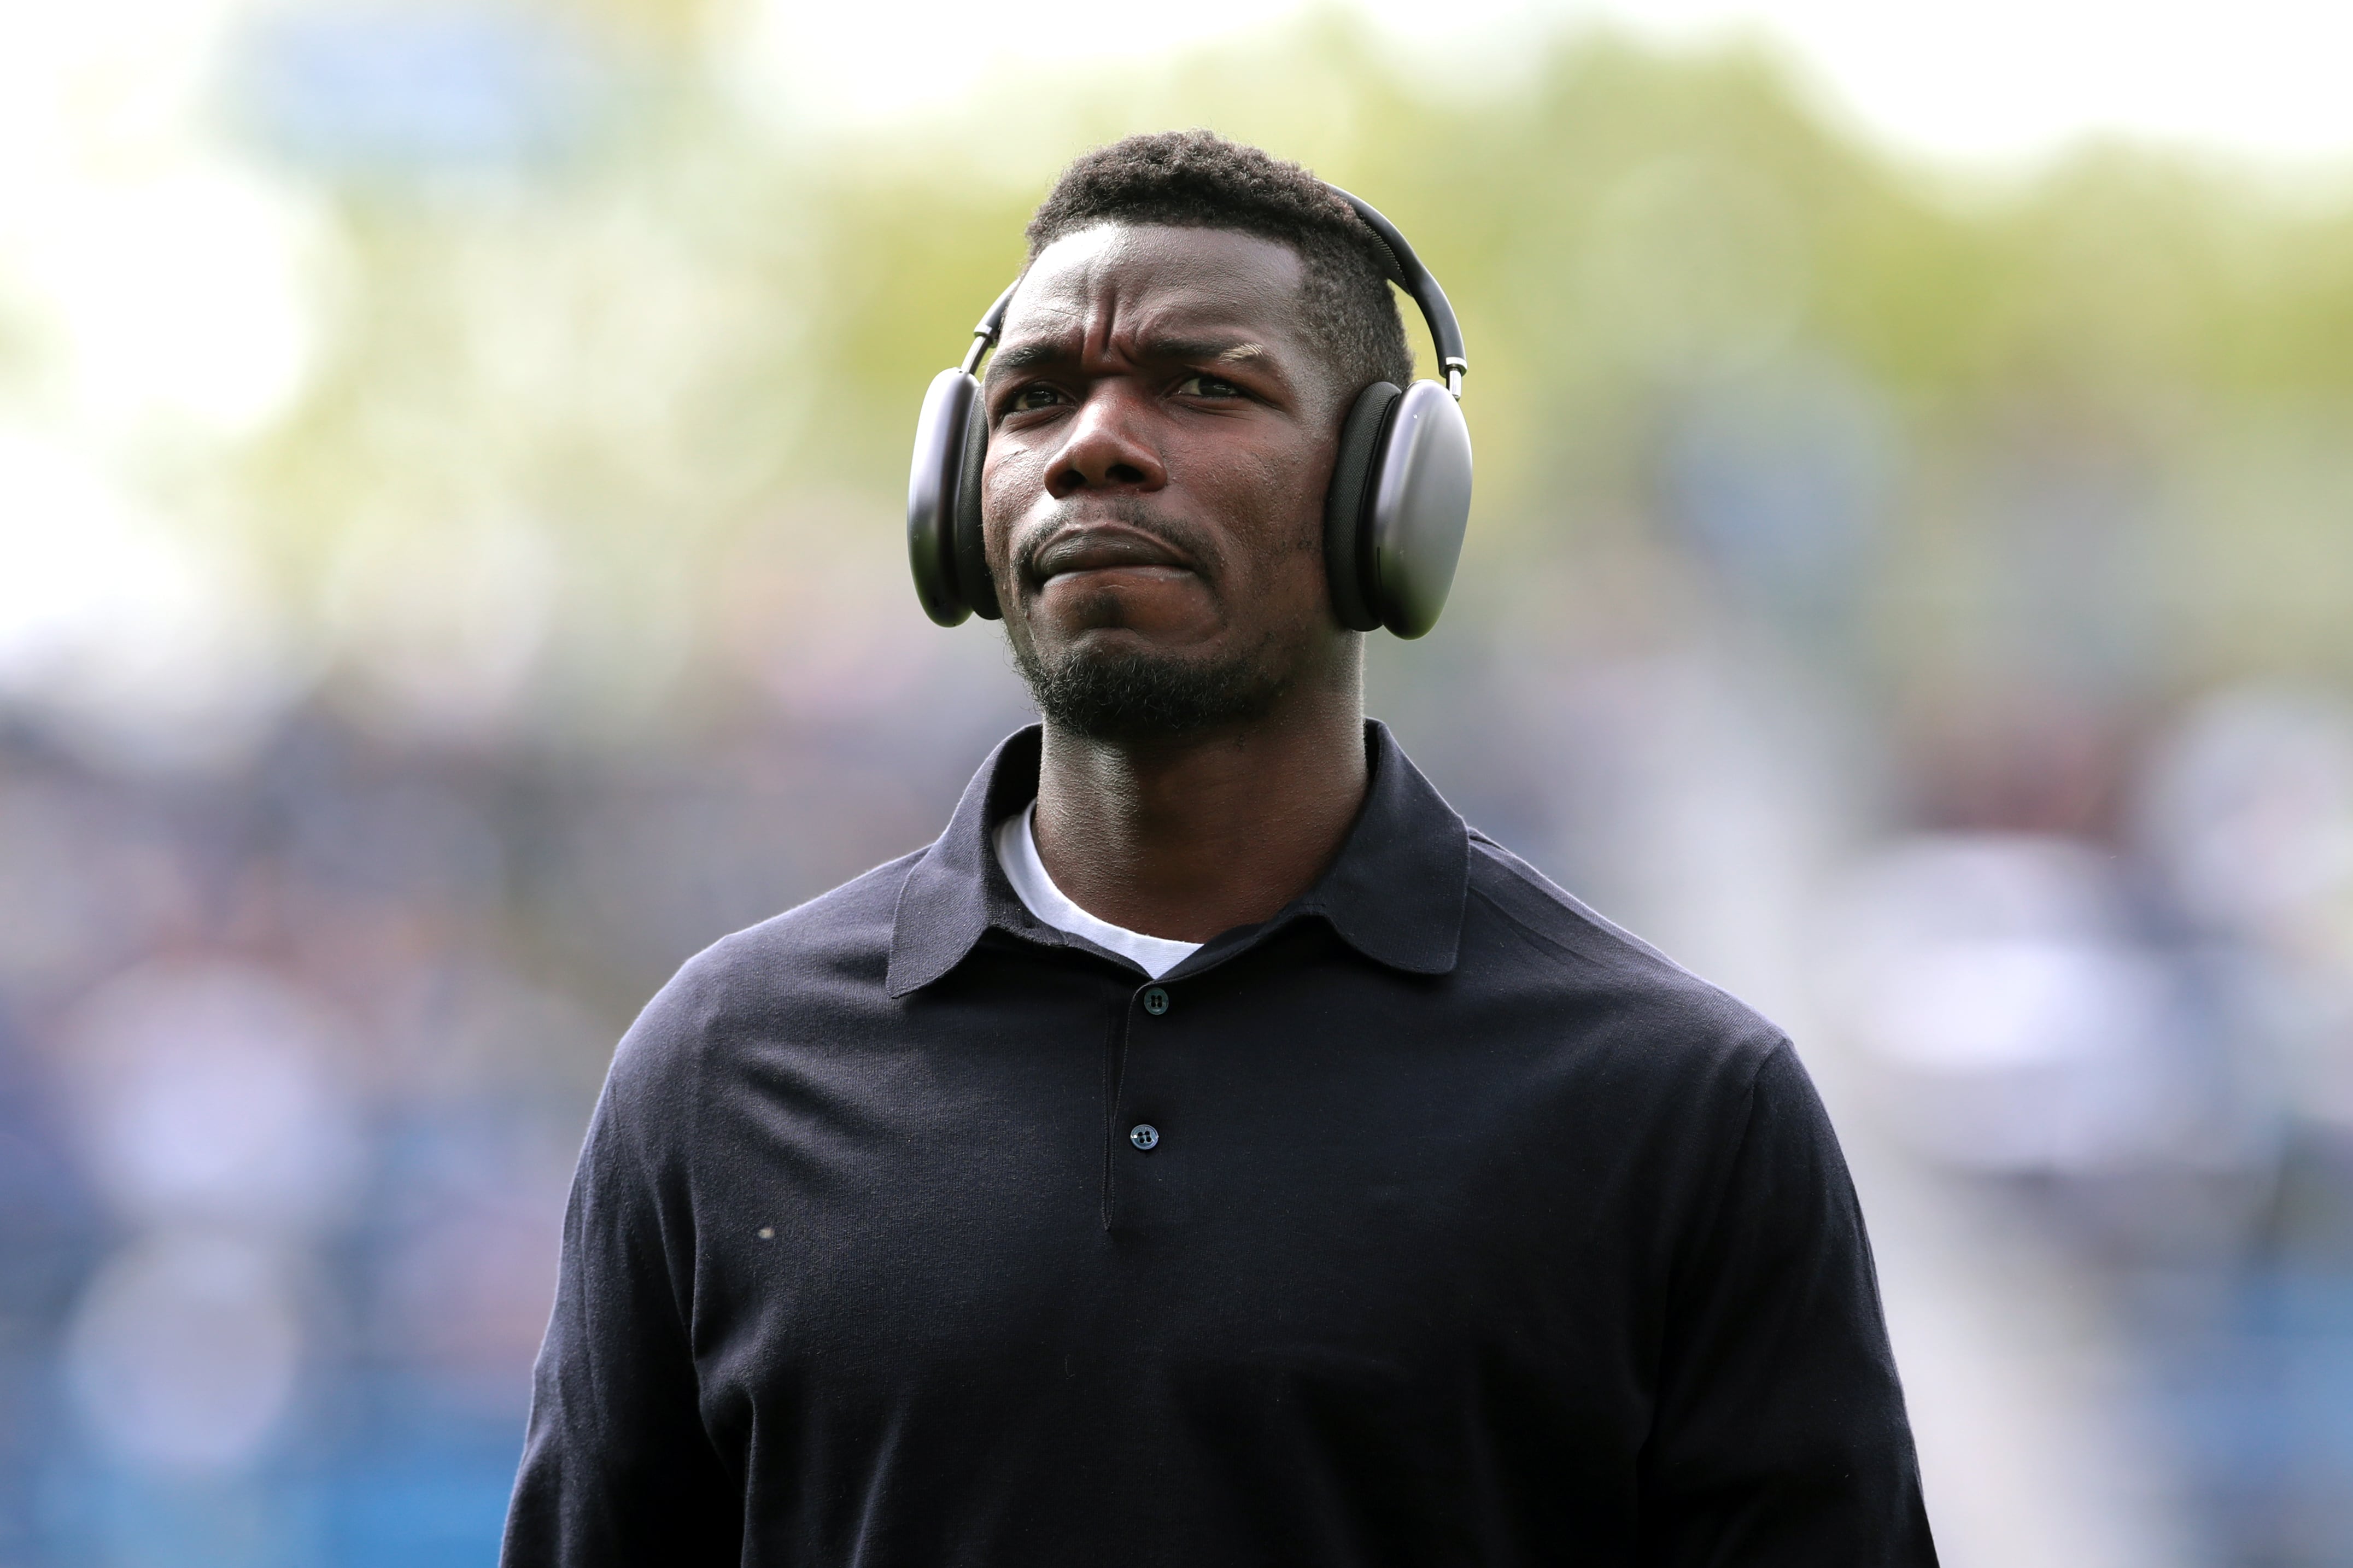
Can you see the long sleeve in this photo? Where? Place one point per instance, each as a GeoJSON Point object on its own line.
{"type": "Point", "coordinates": [617, 1467]}
{"type": "Point", "coordinates": [1779, 1433]}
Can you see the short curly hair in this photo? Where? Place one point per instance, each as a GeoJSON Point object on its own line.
{"type": "Point", "coordinates": [1196, 179]}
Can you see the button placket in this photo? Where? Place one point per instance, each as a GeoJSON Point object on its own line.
{"type": "Point", "coordinates": [1144, 1179]}
{"type": "Point", "coordinates": [1144, 1135]}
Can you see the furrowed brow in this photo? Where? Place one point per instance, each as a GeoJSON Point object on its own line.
{"type": "Point", "coordinates": [1020, 357]}
{"type": "Point", "coordinates": [1028, 356]}
{"type": "Point", "coordinates": [1208, 351]}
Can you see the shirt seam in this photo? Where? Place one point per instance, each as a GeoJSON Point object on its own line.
{"type": "Point", "coordinates": [1706, 1227]}
{"type": "Point", "coordinates": [1695, 1237]}
{"type": "Point", "coordinates": [1559, 952]}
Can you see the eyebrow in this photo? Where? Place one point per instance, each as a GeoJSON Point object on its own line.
{"type": "Point", "coordinates": [1196, 351]}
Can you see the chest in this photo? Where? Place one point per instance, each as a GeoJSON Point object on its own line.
{"type": "Point", "coordinates": [1206, 1185]}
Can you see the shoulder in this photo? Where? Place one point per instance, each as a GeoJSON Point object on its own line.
{"type": "Point", "coordinates": [824, 957]}
{"type": "Point", "coordinates": [1537, 941]}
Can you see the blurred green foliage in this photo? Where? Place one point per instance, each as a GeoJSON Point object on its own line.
{"type": "Point", "coordinates": [647, 358]}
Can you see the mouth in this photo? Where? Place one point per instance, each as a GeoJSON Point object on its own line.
{"type": "Point", "coordinates": [1108, 548]}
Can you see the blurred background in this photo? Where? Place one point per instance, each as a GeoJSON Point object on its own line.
{"type": "Point", "coordinates": [451, 463]}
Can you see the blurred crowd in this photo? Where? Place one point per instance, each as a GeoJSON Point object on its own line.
{"type": "Point", "coordinates": [293, 1066]}
{"type": "Point", "coordinates": [471, 581]}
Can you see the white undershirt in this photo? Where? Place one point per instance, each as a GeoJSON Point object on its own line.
{"type": "Point", "coordinates": [1017, 851]}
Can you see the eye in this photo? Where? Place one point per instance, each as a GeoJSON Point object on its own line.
{"type": "Point", "coordinates": [1203, 384]}
{"type": "Point", "coordinates": [1038, 394]}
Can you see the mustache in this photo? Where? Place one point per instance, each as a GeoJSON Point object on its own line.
{"type": "Point", "coordinates": [1130, 511]}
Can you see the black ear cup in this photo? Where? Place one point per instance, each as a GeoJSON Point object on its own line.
{"type": "Point", "coordinates": [1418, 508]}
{"type": "Point", "coordinates": [1397, 508]}
{"type": "Point", "coordinates": [1348, 558]}
{"type": "Point", "coordinates": [971, 558]}
{"type": "Point", "coordinates": [942, 433]}
{"type": "Point", "coordinates": [944, 545]}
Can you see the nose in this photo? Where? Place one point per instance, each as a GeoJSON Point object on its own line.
{"type": "Point", "coordinates": [1106, 449]}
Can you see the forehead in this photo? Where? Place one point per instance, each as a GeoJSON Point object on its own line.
{"type": "Point", "coordinates": [1122, 279]}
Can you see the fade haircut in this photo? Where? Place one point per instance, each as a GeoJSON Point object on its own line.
{"type": "Point", "coordinates": [1196, 179]}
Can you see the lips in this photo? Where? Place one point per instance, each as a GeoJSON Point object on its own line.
{"type": "Point", "coordinates": [1105, 549]}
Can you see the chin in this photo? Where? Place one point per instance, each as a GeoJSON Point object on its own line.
{"type": "Point", "coordinates": [1122, 640]}
{"type": "Point", "coordinates": [1114, 684]}
{"type": "Point", "coordinates": [1159, 615]}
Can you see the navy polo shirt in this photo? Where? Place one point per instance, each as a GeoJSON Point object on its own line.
{"type": "Point", "coordinates": [1433, 1221]}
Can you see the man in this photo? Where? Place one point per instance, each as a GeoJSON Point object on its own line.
{"type": "Point", "coordinates": [1209, 1152]}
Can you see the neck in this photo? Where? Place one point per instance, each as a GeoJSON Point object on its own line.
{"type": "Point", "coordinates": [1183, 838]}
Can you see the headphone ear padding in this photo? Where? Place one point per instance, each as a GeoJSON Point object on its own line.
{"type": "Point", "coordinates": [942, 434]}
{"type": "Point", "coordinates": [971, 555]}
{"type": "Point", "coordinates": [1348, 564]}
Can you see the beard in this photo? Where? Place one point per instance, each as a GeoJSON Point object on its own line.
{"type": "Point", "coordinates": [1131, 696]}
{"type": "Point", "coordinates": [1139, 695]}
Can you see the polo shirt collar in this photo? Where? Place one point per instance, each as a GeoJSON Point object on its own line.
{"type": "Point", "coordinates": [1395, 893]}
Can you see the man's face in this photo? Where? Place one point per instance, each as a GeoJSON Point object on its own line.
{"type": "Point", "coordinates": [1161, 433]}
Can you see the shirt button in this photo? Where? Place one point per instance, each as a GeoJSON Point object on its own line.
{"type": "Point", "coordinates": [1144, 1135]}
{"type": "Point", "coordinates": [1156, 1001]}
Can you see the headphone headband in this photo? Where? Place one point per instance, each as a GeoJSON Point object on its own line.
{"type": "Point", "coordinates": [1410, 274]}
{"type": "Point", "coordinates": [1405, 269]}
{"type": "Point", "coordinates": [984, 336]}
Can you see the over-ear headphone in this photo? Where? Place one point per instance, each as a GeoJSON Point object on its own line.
{"type": "Point", "coordinates": [1393, 516]}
